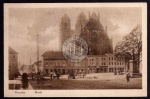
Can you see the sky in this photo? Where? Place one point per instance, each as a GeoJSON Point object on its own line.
{"type": "Point", "coordinates": [26, 23]}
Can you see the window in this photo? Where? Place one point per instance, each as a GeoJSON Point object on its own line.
{"type": "Point", "coordinates": [112, 58]}
{"type": "Point", "coordinates": [120, 63]}
{"type": "Point", "coordinates": [109, 69]}
{"type": "Point", "coordinates": [109, 58]}
{"type": "Point", "coordinates": [46, 62]}
{"type": "Point", "coordinates": [102, 63]}
{"type": "Point", "coordinates": [115, 63]}
{"type": "Point", "coordinates": [112, 63]}
{"type": "Point", "coordinates": [109, 63]}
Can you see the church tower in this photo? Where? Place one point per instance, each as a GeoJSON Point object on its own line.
{"type": "Point", "coordinates": [65, 28]}
{"type": "Point", "coordinates": [81, 22]}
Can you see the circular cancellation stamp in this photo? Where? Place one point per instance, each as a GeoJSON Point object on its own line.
{"type": "Point", "coordinates": [75, 49]}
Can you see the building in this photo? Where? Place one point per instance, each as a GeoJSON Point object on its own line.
{"type": "Point", "coordinates": [55, 61]}
{"type": "Point", "coordinates": [96, 36]}
{"type": "Point", "coordinates": [65, 28]}
{"type": "Point", "coordinates": [91, 30]}
{"type": "Point", "coordinates": [105, 63]}
{"type": "Point", "coordinates": [80, 23]}
{"type": "Point", "coordinates": [13, 62]}
{"type": "Point", "coordinates": [100, 57]}
{"type": "Point", "coordinates": [108, 63]}
{"type": "Point", "coordinates": [34, 67]}
{"type": "Point", "coordinates": [25, 69]}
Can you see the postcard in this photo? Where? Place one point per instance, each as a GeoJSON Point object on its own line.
{"type": "Point", "coordinates": [75, 49]}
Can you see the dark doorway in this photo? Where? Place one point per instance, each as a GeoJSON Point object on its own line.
{"type": "Point", "coordinates": [55, 70]}
{"type": "Point", "coordinates": [97, 70]}
{"type": "Point", "coordinates": [63, 71]}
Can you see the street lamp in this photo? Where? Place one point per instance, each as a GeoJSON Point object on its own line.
{"type": "Point", "coordinates": [38, 73]}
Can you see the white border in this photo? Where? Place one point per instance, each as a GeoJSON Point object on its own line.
{"type": "Point", "coordinates": [79, 93]}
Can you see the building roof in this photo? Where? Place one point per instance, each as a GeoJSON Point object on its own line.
{"type": "Point", "coordinates": [65, 17]}
{"type": "Point", "coordinates": [53, 55]}
{"type": "Point", "coordinates": [35, 63]}
{"type": "Point", "coordinates": [12, 51]}
{"type": "Point", "coordinates": [96, 55]}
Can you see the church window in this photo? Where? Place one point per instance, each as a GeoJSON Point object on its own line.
{"type": "Point", "coordinates": [94, 37]}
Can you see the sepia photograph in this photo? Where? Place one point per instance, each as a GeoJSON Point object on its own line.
{"type": "Point", "coordinates": [57, 50]}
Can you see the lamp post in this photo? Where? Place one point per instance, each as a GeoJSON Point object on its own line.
{"type": "Point", "coordinates": [38, 73]}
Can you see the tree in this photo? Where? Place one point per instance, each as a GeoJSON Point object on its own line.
{"type": "Point", "coordinates": [131, 45]}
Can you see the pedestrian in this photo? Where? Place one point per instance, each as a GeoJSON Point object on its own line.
{"type": "Point", "coordinates": [128, 77]}
{"type": "Point", "coordinates": [69, 76]}
{"type": "Point", "coordinates": [58, 74]}
{"type": "Point", "coordinates": [42, 77]}
{"type": "Point", "coordinates": [25, 81]}
{"type": "Point", "coordinates": [51, 75]}
{"type": "Point", "coordinates": [73, 75]}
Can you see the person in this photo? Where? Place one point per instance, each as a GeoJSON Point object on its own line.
{"type": "Point", "coordinates": [84, 74]}
{"type": "Point", "coordinates": [69, 75]}
{"type": "Point", "coordinates": [42, 77]}
{"type": "Point", "coordinates": [73, 75]}
{"type": "Point", "coordinates": [58, 74]}
{"type": "Point", "coordinates": [25, 80]}
{"type": "Point", "coordinates": [38, 77]}
{"type": "Point", "coordinates": [51, 75]}
{"type": "Point", "coordinates": [128, 77]}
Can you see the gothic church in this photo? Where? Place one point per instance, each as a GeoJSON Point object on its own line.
{"type": "Point", "coordinates": [91, 30]}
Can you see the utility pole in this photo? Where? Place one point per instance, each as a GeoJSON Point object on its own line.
{"type": "Point", "coordinates": [37, 52]}
{"type": "Point", "coordinates": [38, 74]}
